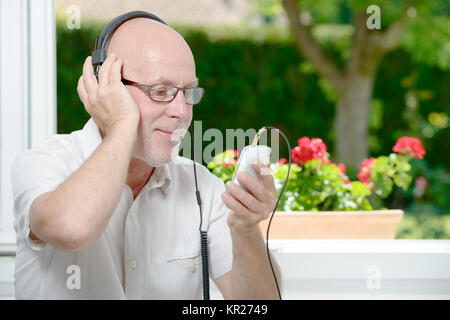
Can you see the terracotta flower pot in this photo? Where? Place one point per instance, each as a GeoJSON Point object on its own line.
{"type": "Point", "coordinates": [375, 224]}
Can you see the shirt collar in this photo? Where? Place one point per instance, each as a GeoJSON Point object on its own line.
{"type": "Point", "coordinates": [91, 139]}
{"type": "Point", "coordinates": [160, 177]}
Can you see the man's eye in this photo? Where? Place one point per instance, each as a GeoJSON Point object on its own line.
{"type": "Point", "coordinates": [160, 92]}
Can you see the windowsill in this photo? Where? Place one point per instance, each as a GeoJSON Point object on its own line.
{"type": "Point", "coordinates": [8, 250]}
{"type": "Point", "coordinates": [360, 246]}
{"type": "Point", "coordinates": [362, 269]}
{"type": "Point", "coordinates": [8, 245]}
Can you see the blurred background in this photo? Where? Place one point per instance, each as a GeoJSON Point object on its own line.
{"type": "Point", "coordinates": [310, 68]}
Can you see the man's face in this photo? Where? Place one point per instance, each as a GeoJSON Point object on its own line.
{"type": "Point", "coordinates": [167, 61]}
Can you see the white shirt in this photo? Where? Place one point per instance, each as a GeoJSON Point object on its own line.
{"type": "Point", "coordinates": [151, 246]}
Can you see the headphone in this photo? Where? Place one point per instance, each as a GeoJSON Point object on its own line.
{"type": "Point", "coordinates": [98, 57]}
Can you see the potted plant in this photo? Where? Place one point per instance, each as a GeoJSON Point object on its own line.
{"type": "Point", "coordinates": [320, 201]}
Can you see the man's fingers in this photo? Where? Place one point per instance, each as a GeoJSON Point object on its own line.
{"type": "Point", "coordinates": [255, 187]}
{"type": "Point", "coordinates": [241, 211]}
{"type": "Point", "coordinates": [103, 74]}
{"type": "Point", "coordinates": [82, 91]}
{"type": "Point", "coordinates": [232, 203]}
{"type": "Point", "coordinates": [264, 173]}
{"type": "Point", "coordinates": [244, 197]}
{"type": "Point", "coordinates": [115, 74]}
{"type": "Point", "coordinates": [89, 81]}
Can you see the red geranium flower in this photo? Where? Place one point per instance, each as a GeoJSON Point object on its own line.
{"type": "Point", "coordinates": [308, 149]}
{"type": "Point", "coordinates": [411, 146]}
{"type": "Point", "coordinates": [364, 172]}
{"type": "Point", "coordinates": [420, 186]}
{"type": "Point", "coordinates": [282, 160]}
{"type": "Point", "coordinates": [342, 167]}
{"type": "Point", "coordinates": [343, 173]}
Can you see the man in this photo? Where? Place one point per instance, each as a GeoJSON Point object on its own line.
{"type": "Point", "coordinates": [104, 213]}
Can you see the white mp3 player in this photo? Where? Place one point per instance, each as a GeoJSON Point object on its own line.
{"type": "Point", "coordinates": [249, 155]}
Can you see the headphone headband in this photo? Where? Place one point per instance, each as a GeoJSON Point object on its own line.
{"type": "Point", "coordinates": [99, 53]}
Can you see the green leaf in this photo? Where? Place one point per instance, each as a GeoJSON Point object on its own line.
{"type": "Point", "coordinates": [359, 189]}
{"type": "Point", "coordinates": [402, 180]}
{"type": "Point", "coordinates": [383, 186]}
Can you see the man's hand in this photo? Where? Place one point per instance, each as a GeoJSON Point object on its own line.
{"type": "Point", "coordinates": [249, 208]}
{"type": "Point", "coordinates": [251, 276]}
{"type": "Point", "coordinates": [107, 101]}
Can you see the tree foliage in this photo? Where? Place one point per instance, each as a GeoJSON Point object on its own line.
{"type": "Point", "coordinates": [427, 32]}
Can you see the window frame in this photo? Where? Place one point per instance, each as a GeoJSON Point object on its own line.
{"type": "Point", "coordinates": [27, 92]}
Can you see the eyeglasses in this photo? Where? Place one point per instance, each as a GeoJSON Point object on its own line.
{"type": "Point", "coordinates": [160, 92]}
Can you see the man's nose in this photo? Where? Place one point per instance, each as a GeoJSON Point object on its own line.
{"type": "Point", "coordinates": [178, 107]}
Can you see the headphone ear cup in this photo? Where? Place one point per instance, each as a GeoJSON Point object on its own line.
{"type": "Point", "coordinates": [96, 68]}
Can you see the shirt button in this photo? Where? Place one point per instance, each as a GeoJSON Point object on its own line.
{"type": "Point", "coordinates": [132, 264]}
{"type": "Point", "coordinates": [192, 268]}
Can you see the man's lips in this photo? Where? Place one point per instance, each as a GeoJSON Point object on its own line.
{"type": "Point", "coordinates": [175, 135]}
{"type": "Point", "coordinates": [164, 131]}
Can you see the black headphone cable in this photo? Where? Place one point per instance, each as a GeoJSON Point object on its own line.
{"type": "Point", "coordinates": [275, 209]}
{"type": "Point", "coordinates": [203, 234]}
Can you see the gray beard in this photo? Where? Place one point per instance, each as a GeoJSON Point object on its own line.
{"type": "Point", "coordinates": [159, 159]}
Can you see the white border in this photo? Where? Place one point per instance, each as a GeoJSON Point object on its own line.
{"type": "Point", "coordinates": [311, 268]}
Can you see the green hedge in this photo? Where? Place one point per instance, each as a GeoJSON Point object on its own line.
{"type": "Point", "coordinates": [251, 82]}
{"type": "Point", "coordinates": [423, 226]}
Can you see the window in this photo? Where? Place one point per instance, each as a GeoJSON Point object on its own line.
{"type": "Point", "coordinates": [27, 90]}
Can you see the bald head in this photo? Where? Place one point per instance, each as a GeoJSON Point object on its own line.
{"type": "Point", "coordinates": [152, 51]}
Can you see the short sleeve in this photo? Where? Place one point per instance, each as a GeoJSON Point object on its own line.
{"type": "Point", "coordinates": [34, 173]}
{"type": "Point", "coordinates": [220, 246]}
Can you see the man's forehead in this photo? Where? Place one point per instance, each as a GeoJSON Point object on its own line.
{"type": "Point", "coordinates": [168, 80]}
{"type": "Point", "coordinates": [157, 75]}
{"type": "Point", "coordinates": [151, 74]}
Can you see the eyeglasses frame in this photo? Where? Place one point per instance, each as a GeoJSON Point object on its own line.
{"type": "Point", "coordinates": [146, 88]}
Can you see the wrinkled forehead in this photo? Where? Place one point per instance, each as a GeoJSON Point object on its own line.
{"type": "Point", "coordinates": [151, 50]}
